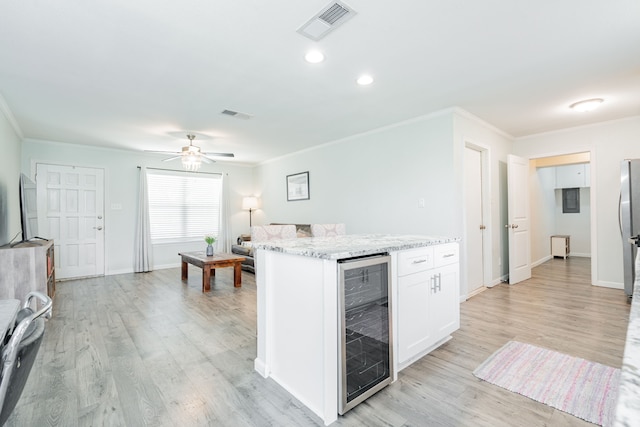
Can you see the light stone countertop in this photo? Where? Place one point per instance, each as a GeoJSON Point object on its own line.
{"type": "Point", "coordinates": [628, 406]}
{"type": "Point", "coordinates": [349, 246]}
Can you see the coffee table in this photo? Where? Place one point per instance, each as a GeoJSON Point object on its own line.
{"type": "Point", "coordinates": [208, 264]}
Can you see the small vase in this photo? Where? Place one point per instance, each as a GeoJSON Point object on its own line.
{"type": "Point", "coordinates": [209, 250]}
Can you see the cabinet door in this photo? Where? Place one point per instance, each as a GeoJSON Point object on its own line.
{"type": "Point", "coordinates": [444, 307]}
{"type": "Point", "coordinates": [571, 176]}
{"type": "Point", "coordinates": [413, 314]}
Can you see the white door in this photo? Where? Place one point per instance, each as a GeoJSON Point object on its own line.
{"type": "Point", "coordinates": [518, 205]}
{"type": "Point", "coordinates": [71, 211]}
{"type": "Point", "coordinates": [475, 225]}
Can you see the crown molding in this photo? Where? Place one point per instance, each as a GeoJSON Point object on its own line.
{"type": "Point", "coordinates": [4, 108]}
{"type": "Point", "coordinates": [467, 115]}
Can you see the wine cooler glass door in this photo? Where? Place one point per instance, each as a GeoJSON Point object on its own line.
{"type": "Point", "coordinates": [365, 347]}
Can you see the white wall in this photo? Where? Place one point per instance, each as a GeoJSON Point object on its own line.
{"type": "Point", "coordinates": [575, 225]}
{"type": "Point", "coordinates": [547, 218]}
{"type": "Point", "coordinates": [9, 177]}
{"type": "Point", "coordinates": [609, 143]}
{"type": "Point", "coordinates": [121, 177]}
{"type": "Point", "coordinates": [372, 182]}
{"type": "Point", "coordinates": [543, 206]}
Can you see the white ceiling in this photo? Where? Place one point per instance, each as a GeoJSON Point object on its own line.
{"type": "Point", "coordinates": [128, 74]}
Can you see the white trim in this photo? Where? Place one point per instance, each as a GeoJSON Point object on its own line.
{"type": "Point", "coordinates": [591, 149]}
{"type": "Point", "coordinates": [425, 117]}
{"type": "Point", "coordinates": [487, 241]}
{"type": "Point", "coordinates": [575, 128]}
{"type": "Point", "coordinates": [8, 114]}
{"type": "Point", "coordinates": [464, 113]}
{"type": "Point", "coordinates": [612, 285]}
{"type": "Point", "coordinates": [541, 261]}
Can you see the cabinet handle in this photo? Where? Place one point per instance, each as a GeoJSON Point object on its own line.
{"type": "Point", "coordinates": [433, 284]}
{"type": "Point", "coordinates": [448, 255]}
{"type": "Point", "coordinates": [439, 286]}
{"type": "Point", "coordinates": [419, 261]}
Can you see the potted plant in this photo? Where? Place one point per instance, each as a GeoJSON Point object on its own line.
{"type": "Point", "coordinates": [210, 241]}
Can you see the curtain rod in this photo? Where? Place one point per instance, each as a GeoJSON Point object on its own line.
{"type": "Point", "coordinates": [178, 170]}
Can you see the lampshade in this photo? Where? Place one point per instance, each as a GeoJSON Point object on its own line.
{"type": "Point", "coordinates": [249, 203]}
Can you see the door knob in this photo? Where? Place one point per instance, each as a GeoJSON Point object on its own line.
{"type": "Point", "coordinates": [98, 228]}
{"type": "Point", "coordinates": [514, 225]}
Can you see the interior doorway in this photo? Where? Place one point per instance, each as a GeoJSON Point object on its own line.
{"type": "Point", "coordinates": [477, 217]}
{"type": "Point", "coordinates": [552, 177]}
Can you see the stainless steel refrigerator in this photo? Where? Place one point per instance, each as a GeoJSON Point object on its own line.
{"type": "Point", "coordinates": [629, 218]}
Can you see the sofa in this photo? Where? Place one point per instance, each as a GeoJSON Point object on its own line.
{"type": "Point", "coordinates": [244, 245]}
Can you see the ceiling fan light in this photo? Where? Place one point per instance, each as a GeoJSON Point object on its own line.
{"type": "Point", "coordinates": [587, 104]}
{"type": "Point", "coordinates": [191, 161]}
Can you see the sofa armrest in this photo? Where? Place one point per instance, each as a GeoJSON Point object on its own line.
{"type": "Point", "coordinates": [242, 250]}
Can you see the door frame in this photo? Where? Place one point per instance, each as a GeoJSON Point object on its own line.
{"type": "Point", "coordinates": [593, 229]}
{"type": "Point", "coordinates": [105, 172]}
{"type": "Point", "coordinates": [487, 241]}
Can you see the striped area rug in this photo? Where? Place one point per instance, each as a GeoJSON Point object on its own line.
{"type": "Point", "coordinates": [581, 388]}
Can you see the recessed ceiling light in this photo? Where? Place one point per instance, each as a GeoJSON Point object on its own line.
{"type": "Point", "coordinates": [587, 104]}
{"type": "Point", "coordinates": [314, 57]}
{"type": "Point", "coordinates": [364, 80]}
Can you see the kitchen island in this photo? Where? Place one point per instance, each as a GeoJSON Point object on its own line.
{"type": "Point", "coordinates": [298, 307]}
{"type": "Point", "coordinates": [628, 405]}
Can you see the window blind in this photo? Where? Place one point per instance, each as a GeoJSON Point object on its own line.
{"type": "Point", "coordinates": [183, 206]}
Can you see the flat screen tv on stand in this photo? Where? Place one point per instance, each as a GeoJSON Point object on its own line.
{"type": "Point", "coordinates": [28, 210]}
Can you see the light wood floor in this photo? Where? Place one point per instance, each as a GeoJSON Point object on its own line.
{"type": "Point", "coordinates": [145, 349]}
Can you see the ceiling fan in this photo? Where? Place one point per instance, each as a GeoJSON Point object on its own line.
{"type": "Point", "coordinates": [192, 156]}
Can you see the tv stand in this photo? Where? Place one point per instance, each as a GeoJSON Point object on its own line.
{"type": "Point", "coordinates": [27, 266]}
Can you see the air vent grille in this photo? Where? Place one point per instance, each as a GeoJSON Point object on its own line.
{"type": "Point", "coordinates": [327, 20]}
{"type": "Point", "coordinates": [334, 13]}
{"type": "Point", "coordinates": [236, 114]}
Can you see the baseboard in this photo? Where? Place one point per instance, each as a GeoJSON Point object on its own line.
{"type": "Point", "coordinates": [423, 353]}
{"type": "Point", "coordinates": [498, 281]}
{"type": "Point", "coordinates": [541, 261]}
{"type": "Point", "coordinates": [612, 285]}
{"type": "Point", "coordinates": [477, 291]}
{"type": "Point", "coordinates": [260, 367]}
{"type": "Point", "coordinates": [580, 255]}
{"type": "Point", "coordinates": [166, 266]}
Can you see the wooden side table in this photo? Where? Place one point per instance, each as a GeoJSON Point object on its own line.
{"type": "Point", "coordinates": [208, 264]}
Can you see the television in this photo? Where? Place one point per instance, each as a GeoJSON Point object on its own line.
{"type": "Point", "coordinates": [28, 208]}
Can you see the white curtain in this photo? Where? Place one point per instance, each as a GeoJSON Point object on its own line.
{"type": "Point", "coordinates": [223, 244]}
{"type": "Point", "coordinates": [142, 250]}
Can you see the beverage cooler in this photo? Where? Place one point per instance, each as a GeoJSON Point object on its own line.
{"type": "Point", "coordinates": [365, 345]}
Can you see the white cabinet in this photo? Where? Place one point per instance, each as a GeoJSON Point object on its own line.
{"type": "Point", "coordinates": [428, 309]}
{"type": "Point", "coordinates": [560, 246]}
{"type": "Point", "coordinates": [573, 176]}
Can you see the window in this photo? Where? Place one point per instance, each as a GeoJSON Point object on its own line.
{"type": "Point", "coordinates": [570, 200]}
{"type": "Point", "coordinates": [183, 206]}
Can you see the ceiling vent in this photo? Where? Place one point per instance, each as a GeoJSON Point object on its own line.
{"type": "Point", "coordinates": [329, 18]}
{"type": "Point", "coordinates": [236, 114]}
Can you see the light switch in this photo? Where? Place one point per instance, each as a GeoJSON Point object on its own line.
{"type": "Point", "coordinates": [116, 207]}
{"type": "Point", "coordinates": [421, 203]}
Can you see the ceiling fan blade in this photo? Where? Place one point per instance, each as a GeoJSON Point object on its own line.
{"type": "Point", "coordinates": [206, 159]}
{"type": "Point", "coordinates": [219, 154]}
{"type": "Point", "coordinates": [162, 152]}
{"type": "Point", "coordinates": [171, 158]}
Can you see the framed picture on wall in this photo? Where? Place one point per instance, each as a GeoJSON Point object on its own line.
{"type": "Point", "coordinates": [298, 186]}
